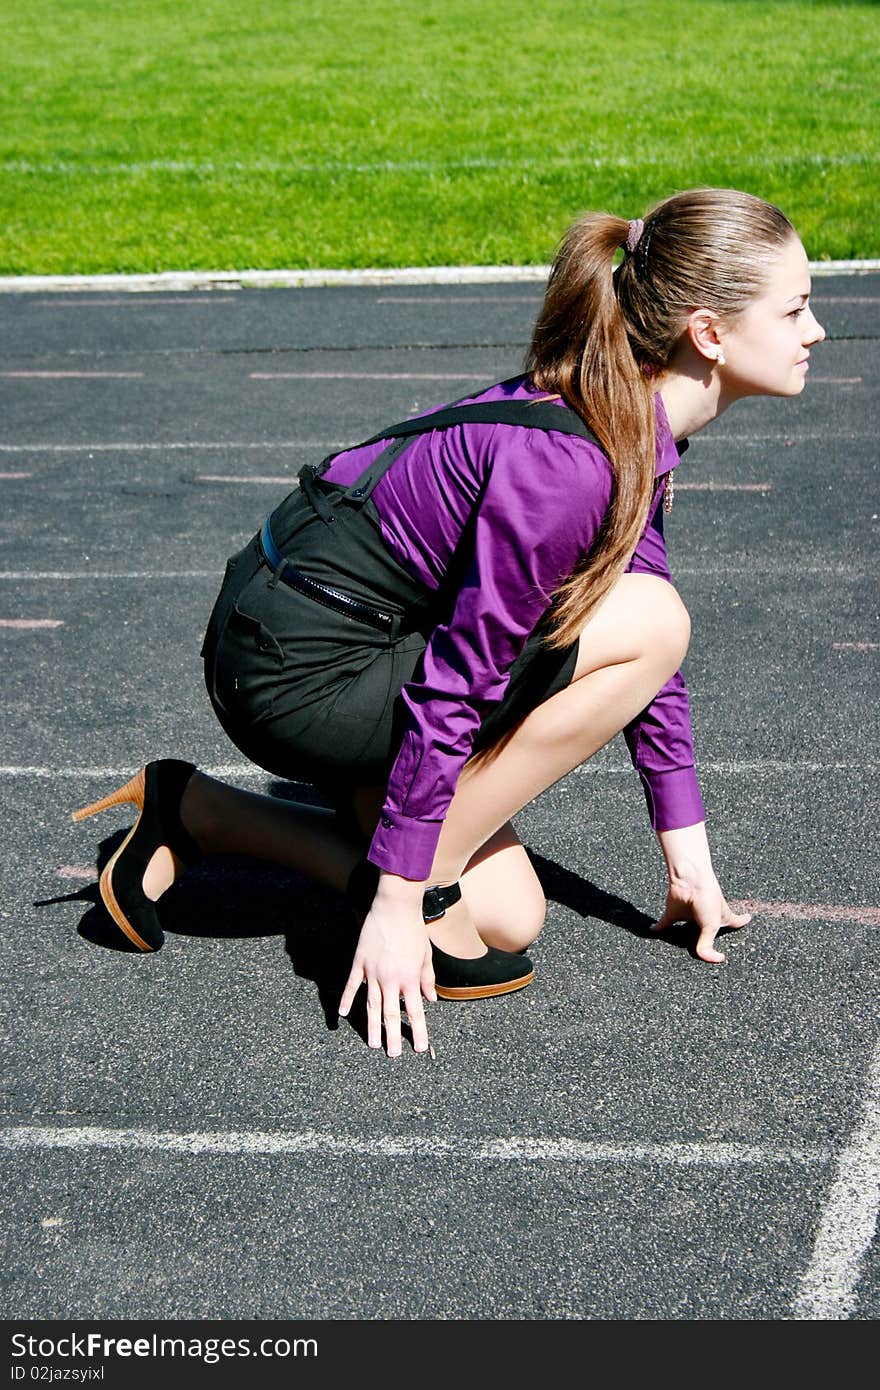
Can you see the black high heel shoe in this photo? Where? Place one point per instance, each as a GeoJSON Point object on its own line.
{"type": "Point", "coordinates": [455, 977]}
{"type": "Point", "coordinates": [156, 791]}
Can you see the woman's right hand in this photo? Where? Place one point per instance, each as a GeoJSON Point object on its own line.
{"type": "Point", "coordinates": [393, 958]}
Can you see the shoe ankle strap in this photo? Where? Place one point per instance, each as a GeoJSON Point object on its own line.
{"type": "Point", "coordinates": [436, 900]}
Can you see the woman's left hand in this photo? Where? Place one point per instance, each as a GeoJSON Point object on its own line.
{"type": "Point", "coordinates": [694, 891]}
{"type": "Point", "coordinates": [706, 905]}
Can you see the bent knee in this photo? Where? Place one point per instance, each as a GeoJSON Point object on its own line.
{"type": "Point", "coordinates": [673, 623]}
{"type": "Point", "coordinates": [641, 618]}
{"type": "Point", "coordinates": [664, 622]}
{"type": "Point", "coordinates": [504, 894]}
{"type": "Point", "coordinates": [516, 928]}
{"type": "Point", "coordinates": [526, 922]}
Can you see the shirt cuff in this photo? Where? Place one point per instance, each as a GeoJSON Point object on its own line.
{"type": "Point", "coordinates": [673, 798]}
{"type": "Point", "coordinates": [405, 846]}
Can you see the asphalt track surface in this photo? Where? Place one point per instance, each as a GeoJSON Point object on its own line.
{"type": "Point", "coordinates": [638, 1135]}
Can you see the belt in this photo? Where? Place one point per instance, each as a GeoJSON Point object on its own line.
{"type": "Point", "coordinates": [331, 598]}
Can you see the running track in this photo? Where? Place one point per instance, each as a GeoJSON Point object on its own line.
{"type": "Point", "coordinates": [637, 1136]}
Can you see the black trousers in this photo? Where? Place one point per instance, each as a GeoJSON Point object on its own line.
{"type": "Point", "coordinates": [312, 695]}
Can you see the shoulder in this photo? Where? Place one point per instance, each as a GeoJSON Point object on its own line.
{"type": "Point", "coordinates": [564, 478]}
{"type": "Point", "coordinates": [543, 485]}
{"type": "Point", "coordinates": [518, 449]}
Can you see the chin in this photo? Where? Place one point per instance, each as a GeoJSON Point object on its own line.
{"type": "Point", "coordinates": [793, 387]}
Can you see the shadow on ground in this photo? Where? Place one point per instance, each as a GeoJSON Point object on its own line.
{"type": "Point", "coordinates": [234, 897]}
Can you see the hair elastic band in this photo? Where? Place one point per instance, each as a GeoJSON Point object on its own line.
{"type": "Point", "coordinates": [634, 235]}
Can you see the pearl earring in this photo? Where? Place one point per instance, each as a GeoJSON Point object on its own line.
{"type": "Point", "coordinates": [720, 359]}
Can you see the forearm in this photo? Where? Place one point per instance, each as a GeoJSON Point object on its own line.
{"type": "Point", "coordinates": [694, 891]}
{"type": "Point", "coordinates": [394, 888]}
{"type": "Point", "coordinates": [686, 852]}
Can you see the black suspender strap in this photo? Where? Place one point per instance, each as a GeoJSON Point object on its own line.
{"type": "Point", "coordinates": [541, 415]}
{"type": "Point", "coordinates": [361, 489]}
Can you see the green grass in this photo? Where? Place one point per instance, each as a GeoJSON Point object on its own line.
{"type": "Point", "coordinates": [141, 136]}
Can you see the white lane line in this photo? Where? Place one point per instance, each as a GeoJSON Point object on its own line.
{"type": "Point", "coordinates": [175, 281]}
{"type": "Point", "coordinates": [131, 299]}
{"type": "Point", "coordinates": [154, 446]}
{"type": "Point", "coordinates": [586, 769]}
{"type": "Point", "coordinates": [31, 622]}
{"type": "Point", "coordinates": [829, 1286]}
{"type": "Point", "coordinates": [158, 446]}
{"type": "Point", "coordinates": [18, 575]}
{"type": "Point", "coordinates": [855, 646]}
{"type": "Point", "coordinates": [767, 568]}
{"type": "Point", "coordinates": [779, 438]}
{"type": "Point", "coordinates": [781, 765]}
{"type": "Point", "coordinates": [460, 299]}
{"type": "Point", "coordinates": [366, 376]}
{"type": "Point", "coordinates": [333, 1145]}
{"type": "Point", "coordinates": [241, 478]}
{"type": "Point", "coordinates": [86, 773]}
{"type": "Point", "coordinates": [7, 476]}
{"type": "Point", "coordinates": [841, 570]}
{"type": "Point", "coordinates": [722, 487]}
{"type": "Point", "coordinates": [89, 376]}
{"type": "Point", "coordinates": [454, 376]}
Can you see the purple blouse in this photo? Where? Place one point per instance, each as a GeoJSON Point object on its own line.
{"type": "Point", "coordinates": [535, 501]}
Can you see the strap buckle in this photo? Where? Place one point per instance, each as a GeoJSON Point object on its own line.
{"type": "Point", "coordinates": [435, 901]}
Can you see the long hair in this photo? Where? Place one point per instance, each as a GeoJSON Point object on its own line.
{"type": "Point", "coordinates": [603, 335]}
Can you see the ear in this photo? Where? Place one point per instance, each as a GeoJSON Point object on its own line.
{"type": "Point", "coordinates": [703, 331]}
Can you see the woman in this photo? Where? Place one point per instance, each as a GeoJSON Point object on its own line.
{"type": "Point", "coordinates": [444, 621]}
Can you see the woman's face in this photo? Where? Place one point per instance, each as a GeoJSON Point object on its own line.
{"type": "Point", "coordinates": [767, 347]}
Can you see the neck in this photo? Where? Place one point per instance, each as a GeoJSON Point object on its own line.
{"type": "Point", "coordinates": [692, 396]}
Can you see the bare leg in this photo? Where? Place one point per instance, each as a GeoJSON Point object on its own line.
{"type": "Point", "coordinates": [503, 893]}
{"type": "Point", "coordinates": [629, 648]}
{"type": "Point", "coordinates": [632, 644]}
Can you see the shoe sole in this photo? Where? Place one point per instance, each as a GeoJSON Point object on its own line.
{"type": "Point", "coordinates": [108, 897]}
{"type": "Point", "coordinates": [483, 991]}
{"type": "Point", "coordinates": [132, 792]}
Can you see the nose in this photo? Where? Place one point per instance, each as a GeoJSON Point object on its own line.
{"type": "Point", "coordinates": [815, 332]}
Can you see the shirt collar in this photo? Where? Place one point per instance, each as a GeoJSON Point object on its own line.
{"type": "Point", "coordinates": [668, 451]}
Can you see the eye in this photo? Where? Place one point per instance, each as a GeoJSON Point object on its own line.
{"type": "Point", "coordinates": [796, 313]}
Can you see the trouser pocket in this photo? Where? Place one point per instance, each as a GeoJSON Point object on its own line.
{"type": "Point", "coordinates": [238, 572]}
{"type": "Point", "coordinates": [240, 569]}
{"type": "Point", "coordinates": [248, 663]}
